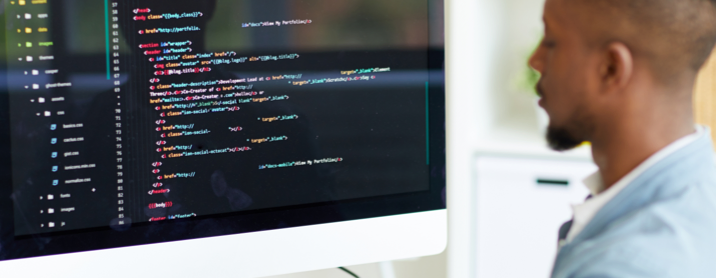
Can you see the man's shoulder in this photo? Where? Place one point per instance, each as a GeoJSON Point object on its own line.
{"type": "Point", "coordinates": [663, 224]}
{"type": "Point", "coordinates": [681, 204]}
{"type": "Point", "coordinates": [670, 237]}
{"type": "Point", "coordinates": [685, 220]}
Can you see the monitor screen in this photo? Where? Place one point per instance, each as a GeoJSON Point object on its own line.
{"type": "Point", "coordinates": [137, 122]}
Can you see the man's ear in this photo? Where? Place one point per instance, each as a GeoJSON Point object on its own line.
{"type": "Point", "coordinates": [617, 67]}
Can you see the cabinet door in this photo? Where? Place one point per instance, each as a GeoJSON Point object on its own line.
{"type": "Point", "coordinates": [520, 204]}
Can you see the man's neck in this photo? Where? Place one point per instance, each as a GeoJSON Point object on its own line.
{"type": "Point", "coordinates": [625, 144]}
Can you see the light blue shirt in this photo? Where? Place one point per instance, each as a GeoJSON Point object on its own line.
{"type": "Point", "coordinates": [662, 224]}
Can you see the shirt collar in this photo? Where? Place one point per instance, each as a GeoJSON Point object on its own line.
{"type": "Point", "coordinates": [594, 183]}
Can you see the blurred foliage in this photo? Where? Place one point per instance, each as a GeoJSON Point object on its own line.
{"type": "Point", "coordinates": [529, 77]}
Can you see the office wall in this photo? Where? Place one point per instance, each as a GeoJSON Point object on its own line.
{"type": "Point", "coordinates": [705, 95]}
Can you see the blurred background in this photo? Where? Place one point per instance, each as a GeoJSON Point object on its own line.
{"type": "Point", "coordinates": [507, 192]}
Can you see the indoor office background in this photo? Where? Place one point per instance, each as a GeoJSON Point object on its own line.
{"type": "Point", "coordinates": [496, 128]}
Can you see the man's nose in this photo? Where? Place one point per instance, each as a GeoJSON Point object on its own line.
{"type": "Point", "coordinates": [536, 60]}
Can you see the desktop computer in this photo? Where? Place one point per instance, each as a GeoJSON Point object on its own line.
{"type": "Point", "coordinates": [219, 138]}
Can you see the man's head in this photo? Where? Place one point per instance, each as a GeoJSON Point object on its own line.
{"type": "Point", "coordinates": [604, 59]}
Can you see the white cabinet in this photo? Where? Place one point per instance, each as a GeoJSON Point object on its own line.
{"type": "Point", "coordinates": [519, 205]}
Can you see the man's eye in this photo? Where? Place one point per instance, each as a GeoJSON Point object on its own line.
{"type": "Point", "coordinates": [548, 43]}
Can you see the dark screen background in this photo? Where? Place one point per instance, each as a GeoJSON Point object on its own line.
{"type": "Point", "coordinates": [388, 130]}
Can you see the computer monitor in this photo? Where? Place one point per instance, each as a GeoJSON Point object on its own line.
{"type": "Point", "coordinates": [219, 138]}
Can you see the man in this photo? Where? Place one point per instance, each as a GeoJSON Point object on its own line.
{"type": "Point", "coordinates": [620, 74]}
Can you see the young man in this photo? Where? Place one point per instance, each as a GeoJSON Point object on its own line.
{"type": "Point", "coordinates": [620, 74]}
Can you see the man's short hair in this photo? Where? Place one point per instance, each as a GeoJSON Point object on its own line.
{"type": "Point", "coordinates": [674, 36]}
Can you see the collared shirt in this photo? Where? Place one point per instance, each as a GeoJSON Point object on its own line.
{"type": "Point", "coordinates": [583, 213]}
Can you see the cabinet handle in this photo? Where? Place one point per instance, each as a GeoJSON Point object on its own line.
{"type": "Point", "coordinates": [557, 182]}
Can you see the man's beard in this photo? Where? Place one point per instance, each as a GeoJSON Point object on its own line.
{"type": "Point", "coordinates": [572, 134]}
{"type": "Point", "coordinates": [560, 139]}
